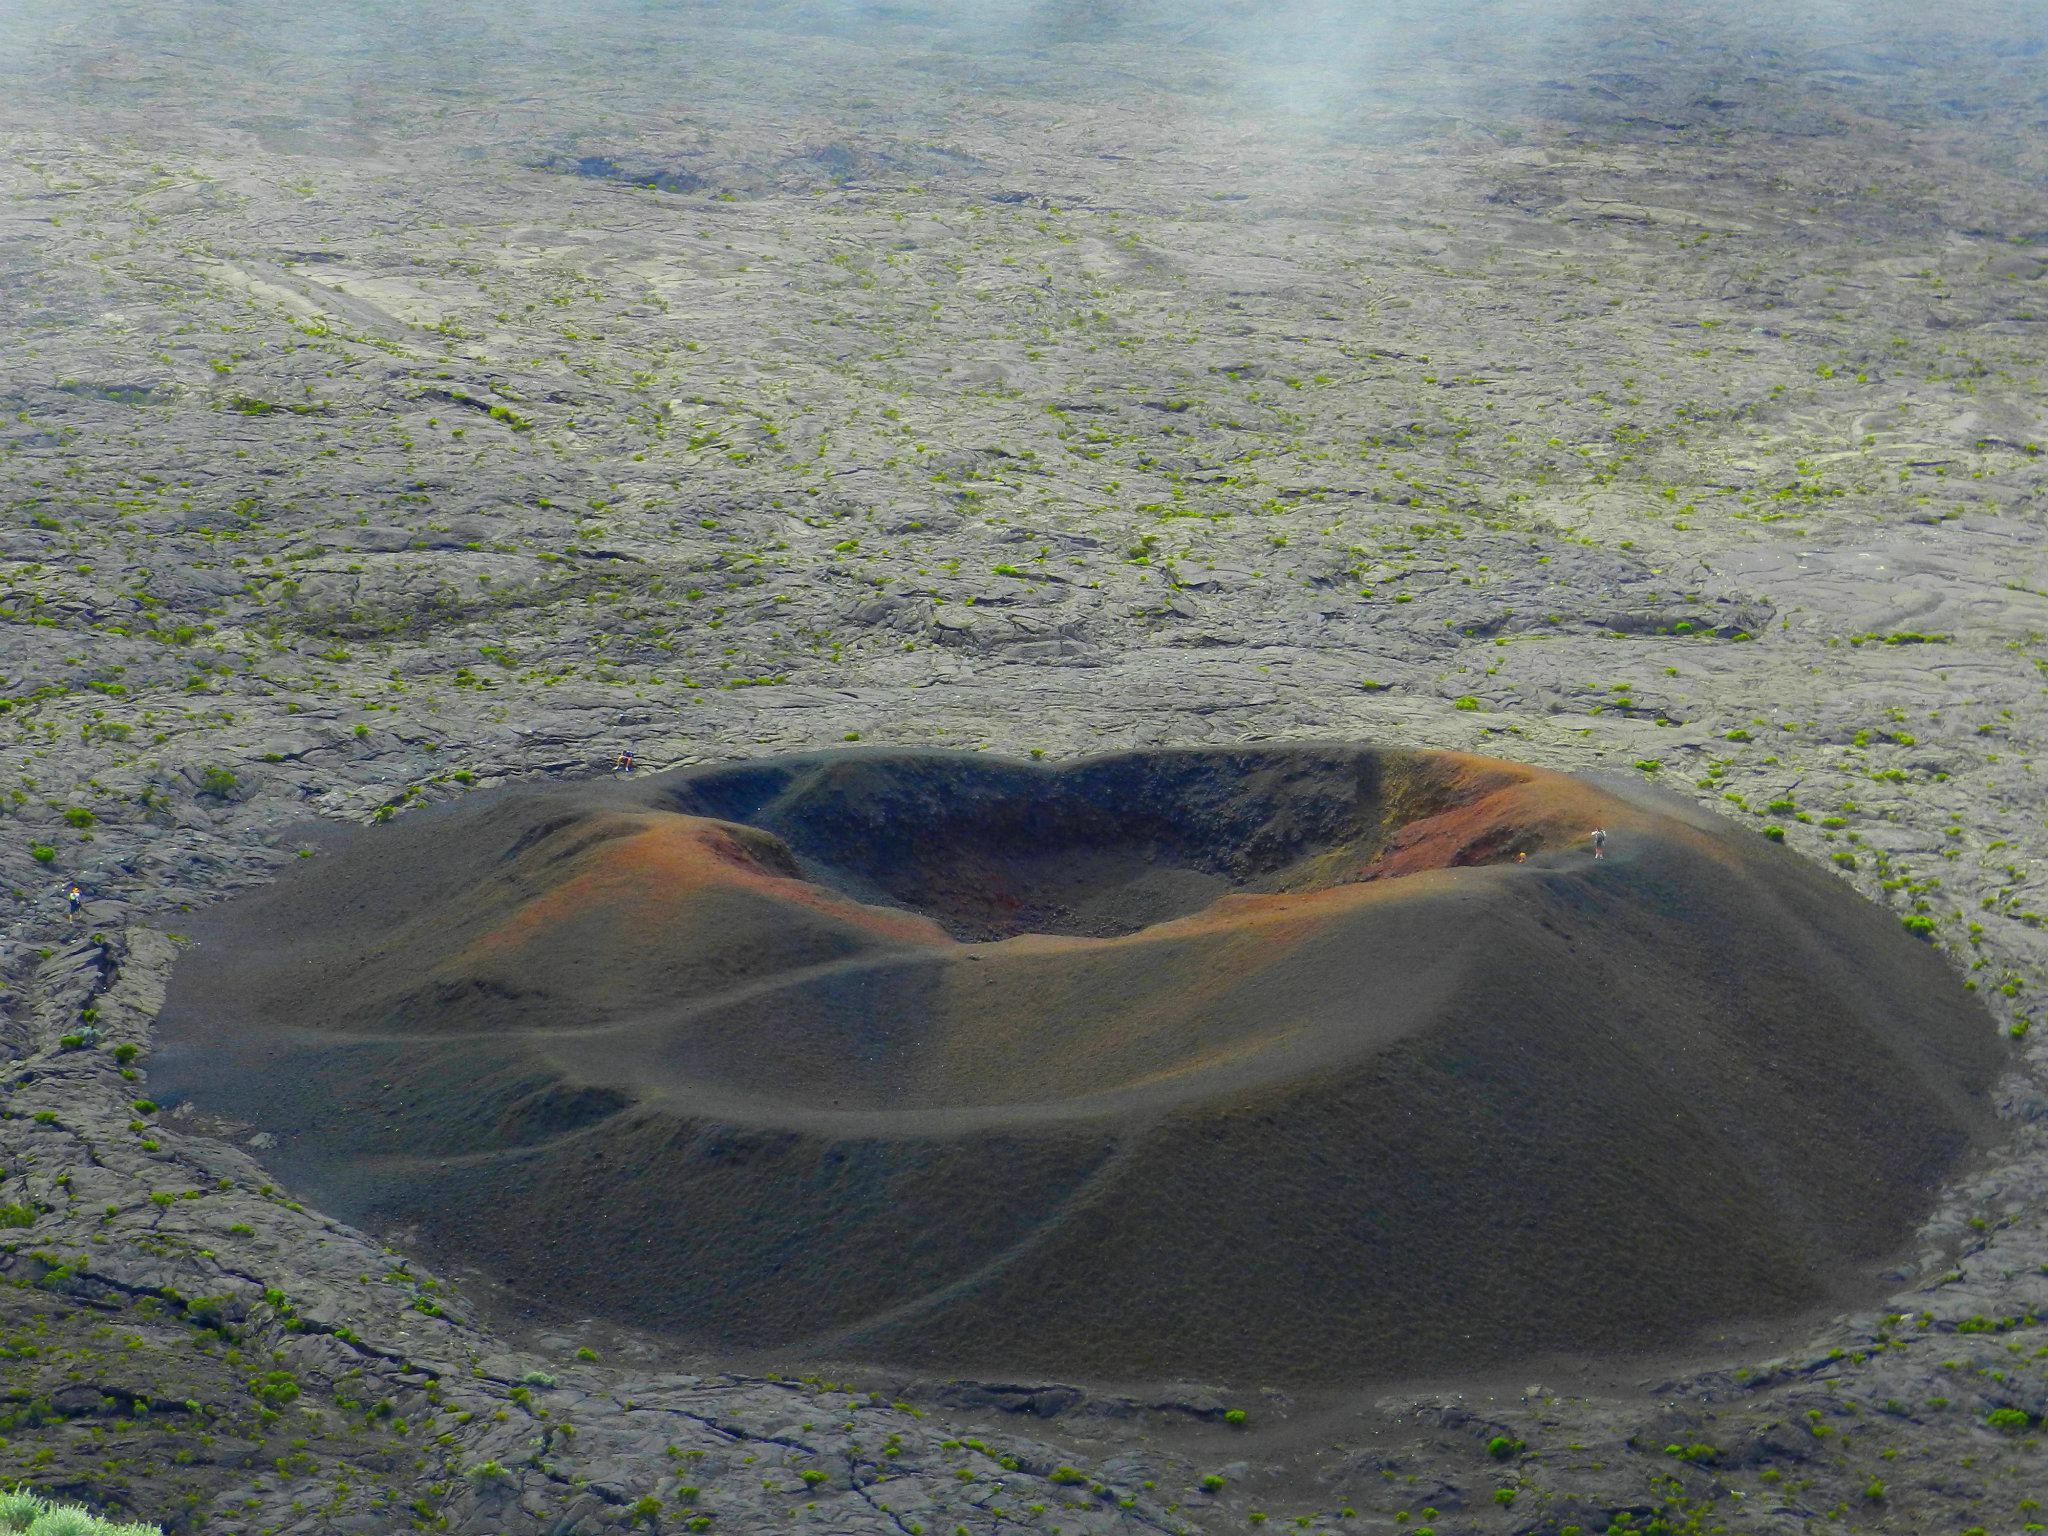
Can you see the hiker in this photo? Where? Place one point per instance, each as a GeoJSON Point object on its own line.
{"type": "Point", "coordinates": [624, 764]}
{"type": "Point", "coordinates": [1599, 843]}
{"type": "Point", "coordinates": [72, 898]}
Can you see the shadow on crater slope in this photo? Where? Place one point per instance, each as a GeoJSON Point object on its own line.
{"type": "Point", "coordinates": [1288, 1064]}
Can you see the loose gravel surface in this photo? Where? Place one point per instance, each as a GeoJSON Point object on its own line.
{"type": "Point", "coordinates": [402, 401]}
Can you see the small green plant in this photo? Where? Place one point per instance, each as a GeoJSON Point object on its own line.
{"type": "Point", "coordinates": [42, 853]}
{"type": "Point", "coordinates": [1500, 1447]}
{"type": "Point", "coordinates": [1234, 1416]}
{"type": "Point", "coordinates": [487, 1474]}
{"type": "Point", "coordinates": [23, 1511]}
{"type": "Point", "coordinates": [2009, 1420]}
{"type": "Point", "coordinates": [1775, 833]}
{"type": "Point", "coordinates": [274, 1389]}
{"type": "Point", "coordinates": [1212, 1482]}
{"type": "Point", "coordinates": [218, 782]}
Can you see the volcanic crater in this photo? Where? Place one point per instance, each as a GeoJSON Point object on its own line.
{"type": "Point", "coordinates": [1287, 1064]}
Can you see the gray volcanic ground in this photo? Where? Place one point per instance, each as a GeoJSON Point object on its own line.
{"type": "Point", "coordinates": [402, 400]}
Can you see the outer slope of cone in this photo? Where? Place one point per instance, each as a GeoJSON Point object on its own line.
{"type": "Point", "coordinates": [1276, 1064]}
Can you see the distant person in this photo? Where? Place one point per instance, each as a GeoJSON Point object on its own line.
{"type": "Point", "coordinates": [1599, 843]}
{"type": "Point", "coordinates": [72, 899]}
{"type": "Point", "coordinates": [624, 764]}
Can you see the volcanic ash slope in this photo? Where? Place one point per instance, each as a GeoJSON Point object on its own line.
{"type": "Point", "coordinates": [1281, 1065]}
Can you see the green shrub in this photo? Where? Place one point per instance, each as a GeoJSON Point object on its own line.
{"type": "Point", "coordinates": [1775, 834]}
{"type": "Point", "coordinates": [22, 1511]}
{"type": "Point", "coordinates": [2010, 1419]}
{"type": "Point", "coordinates": [42, 853]}
{"type": "Point", "coordinates": [274, 1389]}
{"type": "Point", "coordinates": [1465, 701]}
{"type": "Point", "coordinates": [16, 1215]}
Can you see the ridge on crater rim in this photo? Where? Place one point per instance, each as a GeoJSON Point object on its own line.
{"type": "Point", "coordinates": [1302, 1063]}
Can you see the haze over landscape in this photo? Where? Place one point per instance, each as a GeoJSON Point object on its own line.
{"type": "Point", "coordinates": [1132, 546]}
